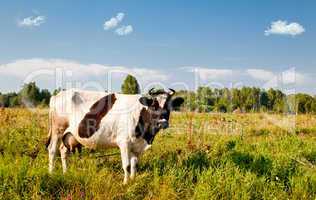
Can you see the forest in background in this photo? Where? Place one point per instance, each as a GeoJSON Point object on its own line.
{"type": "Point", "coordinates": [205, 99]}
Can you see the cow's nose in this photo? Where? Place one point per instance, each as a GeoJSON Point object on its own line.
{"type": "Point", "coordinates": [164, 123]}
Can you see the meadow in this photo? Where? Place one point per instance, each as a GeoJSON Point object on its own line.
{"type": "Point", "coordinates": [201, 156]}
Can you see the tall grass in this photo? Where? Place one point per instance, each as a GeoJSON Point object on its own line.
{"type": "Point", "coordinates": [202, 156]}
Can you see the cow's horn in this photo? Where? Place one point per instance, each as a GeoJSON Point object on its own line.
{"type": "Point", "coordinates": [172, 91]}
{"type": "Point", "coordinates": [150, 92]}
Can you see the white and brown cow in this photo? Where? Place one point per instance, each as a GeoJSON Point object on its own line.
{"type": "Point", "coordinates": [102, 120]}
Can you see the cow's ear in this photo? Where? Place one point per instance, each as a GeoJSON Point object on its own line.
{"type": "Point", "coordinates": [176, 103]}
{"type": "Point", "coordinates": [146, 101]}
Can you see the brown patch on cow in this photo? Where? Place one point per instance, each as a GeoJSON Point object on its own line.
{"type": "Point", "coordinates": [143, 122]}
{"type": "Point", "coordinates": [91, 121]}
{"type": "Point", "coordinates": [145, 115]}
{"type": "Point", "coordinates": [144, 127]}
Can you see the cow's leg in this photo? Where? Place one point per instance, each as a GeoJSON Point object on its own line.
{"type": "Point", "coordinates": [125, 161]}
{"type": "Point", "coordinates": [57, 127]}
{"type": "Point", "coordinates": [52, 148]}
{"type": "Point", "coordinates": [79, 149]}
{"type": "Point", "coordinates": [134, 161]}
{"type": "Point", "coordinates": [63, 154]}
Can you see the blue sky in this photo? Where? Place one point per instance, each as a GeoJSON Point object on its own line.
{"type": "Point", "coordinates": [224, 41]}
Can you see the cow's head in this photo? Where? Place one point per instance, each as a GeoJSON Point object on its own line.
{"type": "Point", "coordinates": [156, 116]}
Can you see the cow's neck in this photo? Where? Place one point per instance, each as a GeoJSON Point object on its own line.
{"type": "Point", "coordinates": [144, 129]}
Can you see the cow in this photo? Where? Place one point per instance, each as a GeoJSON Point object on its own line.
{"type": "Point", "coordinates": [99, 120]}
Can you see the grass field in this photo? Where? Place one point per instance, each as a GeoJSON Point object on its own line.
{"type": "Point", "coordinates": [202, 156]}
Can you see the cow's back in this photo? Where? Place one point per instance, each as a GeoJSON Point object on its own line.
{"type": "Point", "coordinates": [74, 102]}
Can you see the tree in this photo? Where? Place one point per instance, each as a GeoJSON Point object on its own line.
{"type": "Point", "coordinates": [280, 104]}
{"type": "Point", "coordinates": [14, 100]}
{"type": "Point", "coordinates": [236, 99]}
{"type": "Point", "coordinates": [9, 100]}
{"type": "Point", "coordinates": [45, 97]}
{"type": "Point", "coordinates": [190, 102]}
{"type": "Point", "coordinates": [130, 85]}
{"type": "Point", "coordinates": [205, 99]}
{"type": "Point", "coordinates": [304, 103]}
{"type": "Point", "coordinates": [3, 100]}
{"type": "Point", "coordinates": [247, 99]}
{"type": "Point", "coordinates": [264, 100]}
{"type": "Point", "coordinates": [272, 98]}
{"type": "Point", "coordinates": [30, 94]}
{"type": "Point", "coordinates": [222, 105]}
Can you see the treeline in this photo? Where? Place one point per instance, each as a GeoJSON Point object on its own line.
{"type": "Point", "coordinates": [29, 95]}
{"type": "Point", "coordinates": [205, 99]}
{"type": "Point", "coordinates": [247, 99]}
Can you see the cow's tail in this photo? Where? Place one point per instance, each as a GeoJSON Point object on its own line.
{"type": "Point", "coordinates": [50, 116]}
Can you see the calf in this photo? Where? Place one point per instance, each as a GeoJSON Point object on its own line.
{"type": "Point", "coordinates": [98, 120]}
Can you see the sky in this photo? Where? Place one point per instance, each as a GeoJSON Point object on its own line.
{"type": "Point", "coordinates": [167, 43]}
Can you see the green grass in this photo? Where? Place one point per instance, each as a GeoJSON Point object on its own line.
{"type": "Point", "coordinates": [202, 156]}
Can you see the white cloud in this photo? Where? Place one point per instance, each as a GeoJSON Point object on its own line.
{"type": "Point", "coordinates": [209, 73]}
{"type": "Point", "coordinates": [21, 68]}
{"type": "Point", "coordinates": [279, 79]}
{"type": "Point", "coordinates": [114, 21]}
{"type": "Point", "coordinates": [289, 79]}
{"type": "Point", "coordinates": [32, 21]}
{"type": "Point", "coordinates": [124, 30]}
{"type": "Point", "coordinates": [46, 70]}
{"type": "Point", "coordinates": [291, 76]}
{"type": "Point", "coordinates": [284, 28]}
{"type": "Point", "coordinates": [260, 74]}
{"type": "Point", "coordinates": [288, 76]}
{"type": "Point", "coordinates": [120, 16]}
